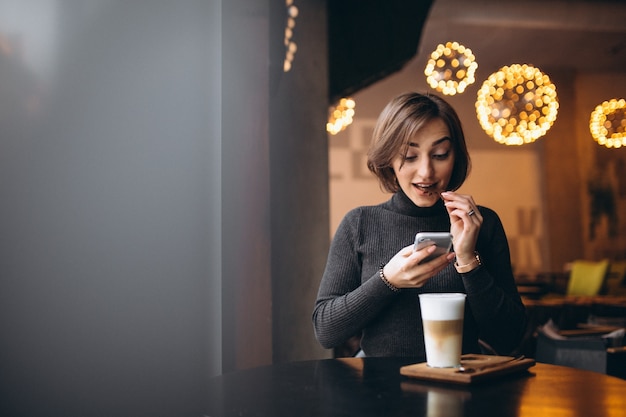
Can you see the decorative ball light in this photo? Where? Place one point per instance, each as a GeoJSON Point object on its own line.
{"type": "Point", "coordinates": [517, 104]}
{"type": "Point", "coordinates": [451, 68]}
{"type": "Point", "coordinates": [608, 123]}
{"type": "Point", "coordinates": [340, 116]}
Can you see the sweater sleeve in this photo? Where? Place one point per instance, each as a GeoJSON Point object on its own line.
{"type": "Point", "coordinates": [491, 290]}
{"type": "Point", "coordinates": [344, 304]}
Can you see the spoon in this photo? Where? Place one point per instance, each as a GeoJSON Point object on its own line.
{"type": "Point", "coordinates": [469, 370]}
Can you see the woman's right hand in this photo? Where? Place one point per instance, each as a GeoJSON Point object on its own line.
{"type": "Point", "coordinates": [404, 270]}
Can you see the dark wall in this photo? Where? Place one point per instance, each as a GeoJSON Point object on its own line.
{"type": "Point", "coordinates": [275, 169]}
{"type": "Point", "coordinates": [246, 241]}
{"type": "Point", "coordinates": [561, 159]}
{"type": "Point", "coordinates": [299, 180]}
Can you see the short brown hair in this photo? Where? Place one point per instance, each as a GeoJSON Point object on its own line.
{"type": "Point", "coordinates": [397, 124]}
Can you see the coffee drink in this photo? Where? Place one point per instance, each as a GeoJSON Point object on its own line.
{"type": "Point", "coordinates": [443, 340]}
{"type": "Point", "coordinates": [442, 319]}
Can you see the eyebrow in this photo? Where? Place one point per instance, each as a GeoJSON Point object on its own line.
{"type": "Point", "coordinates": [435, 143]}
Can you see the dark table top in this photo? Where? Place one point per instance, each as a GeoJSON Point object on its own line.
{"type": "Point", "coordinates": [374, 387]}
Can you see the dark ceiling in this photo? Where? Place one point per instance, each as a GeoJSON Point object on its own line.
{"type": "Point", "coordinates": [370, 39]}
{"type": "Point", "coordinates": [581, 35]}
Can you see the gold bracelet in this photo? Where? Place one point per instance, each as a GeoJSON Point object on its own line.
{"type": "Point", "coordinates": [386, 281]}
{"type": "Point", "coordinates": [476, 262]}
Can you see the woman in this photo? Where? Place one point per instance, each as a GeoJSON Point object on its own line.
{"type": "Point", "coordinates": [373, 275]}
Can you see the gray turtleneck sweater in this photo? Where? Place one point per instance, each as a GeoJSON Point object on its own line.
{"type": "Point", "coordinates": [353, 300]}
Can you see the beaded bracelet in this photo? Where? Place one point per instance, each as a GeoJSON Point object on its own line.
{"type": "Point", "coordinates": [386, 281]}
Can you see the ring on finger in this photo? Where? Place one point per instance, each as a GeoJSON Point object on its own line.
{"type": "Point", "coordinates": [471, 212]}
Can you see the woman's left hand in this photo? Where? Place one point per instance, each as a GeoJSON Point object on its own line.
{"type": "Point", "coordinates": [465, 222]}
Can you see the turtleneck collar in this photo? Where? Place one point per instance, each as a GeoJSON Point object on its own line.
{"type": "Point", "coordinates": [402, 204]}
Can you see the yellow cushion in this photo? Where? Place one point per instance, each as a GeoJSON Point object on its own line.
{"type": "Point", "coordinates": [587, 277]}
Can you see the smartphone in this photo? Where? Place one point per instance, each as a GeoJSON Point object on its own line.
{"type": "Point", "coordinates": [442, 240]}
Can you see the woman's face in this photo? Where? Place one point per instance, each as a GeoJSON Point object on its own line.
{"type": "Point", "coordinates": [425, 171]}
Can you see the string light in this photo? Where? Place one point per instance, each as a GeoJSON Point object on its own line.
{"type": "Point", "coordinates": [608, 123]}
{"type": "Point", "coordinates": [290, 45]}
{"type": "Point", "coordinates": [451, 68]}
{"type": "Point", "coordinates": [517, 104]}
{"type": "Point", "coordinates": [340, 116]}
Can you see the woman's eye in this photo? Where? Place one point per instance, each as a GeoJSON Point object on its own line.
{"type": "Point", "coordinates": [410, 158]}
{"type": "Point", "coordinates": [441, 156]}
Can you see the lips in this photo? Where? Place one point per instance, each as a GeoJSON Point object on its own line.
{"type": "Point", "coordinates": [427, 188]}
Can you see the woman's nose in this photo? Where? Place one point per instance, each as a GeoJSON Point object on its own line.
{"type": "Point", "coordinates": [425, 168]}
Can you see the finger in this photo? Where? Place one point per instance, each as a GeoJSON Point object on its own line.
{"type": "Point", "coordinates": [458, 208]}
{"type": "Point", "coordinates": [434, 265]}
{"type": "Point", "coordinates": [464, 209]}
{"type": "Point", "coordinates": [423, 253]}
{"type": "Point", "coordinates": [407, 250]}
{"type": "Point", "coordinates": [470, 223]}
{"type": "Point", "coordinates": [475, 215]}
{"type": "Point", "coordinates": [465, 215]}
{"type": "Point", "coordinates": [433, 268]}
{"type": "Point", "coordinates": [459, 201]}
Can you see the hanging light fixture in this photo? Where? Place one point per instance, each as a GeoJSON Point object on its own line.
{"type": "Point", "coordinates": [517, 104]}
{"type": "Point", "coordinates": [608, 123]}
{"type": "Point", "coordinates": [340, 116]}
{"type": "Point", "coordinates": [451, 68]}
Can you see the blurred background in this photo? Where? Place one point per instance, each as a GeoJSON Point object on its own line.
{"type": "Point", "coordinates": [169, 190]}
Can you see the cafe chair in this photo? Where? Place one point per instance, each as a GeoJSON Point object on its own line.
{"type": "Point", "coordinates": [604, 352]}
{"type": "Point", "coordinates": [587, 277]}
{"type": "Point", "coordinates": [616, 279]}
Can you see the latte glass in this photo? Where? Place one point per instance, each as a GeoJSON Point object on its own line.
{"type": "Point", "coordinates": [442, 318]}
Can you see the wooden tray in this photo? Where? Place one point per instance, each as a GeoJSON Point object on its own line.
{"type": "Point", "coordinates": [486, 367]}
